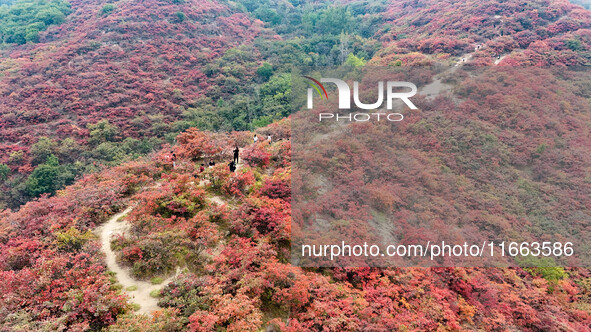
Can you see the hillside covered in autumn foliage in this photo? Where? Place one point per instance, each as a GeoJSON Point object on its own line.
{"type": "Point", "coordinates": [231, 240]}
{"type": "Point", "coordinates": [108, 82]}
{"type": "Point", "coordinates": [118, 120]}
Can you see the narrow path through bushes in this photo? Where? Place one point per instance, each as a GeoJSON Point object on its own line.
{"type": "Point", "coordinates": [139, 291]}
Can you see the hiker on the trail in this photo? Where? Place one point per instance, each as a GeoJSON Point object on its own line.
{"type": "Point", "coordinates": [499, 57]}
{"type": "Point", "coordinates": [211, 163]}
{"type": "Point", "coordinates": [255, 138]}
{"type": "Point", "coordinates": [199, 174]}
{"type": "Point", "coordinates": [269, 138]}
{"type": "Point", "coordinates": [232, 166]}
{"type": "Point", "coordinates": [173, 158]}
{"type": "Point", "coordinates": [236, 153]}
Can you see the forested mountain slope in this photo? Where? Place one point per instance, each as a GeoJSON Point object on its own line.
{"type": "Point", "coordinates": [534, 32]}
{"type": "Point", "coordinates": [229, 235]}
{"type": "Point", "coordinates": [107, 89]}
{"type": "Point", "coordinates": [107, 84]}
{"type": "Point", "coordinates": [99, 83]}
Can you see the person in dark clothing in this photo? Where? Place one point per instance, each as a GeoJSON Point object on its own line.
{"type": "Point", "coordinates": [200, 174]}
{"type": "Point", "coordinates": [173, 158]}
{"type": "Point", "coordinates": [236, 153]}
{"type": "Point", "coordinates": [232, 166]}
{"type": "Point", "coordinates": [211, 163]}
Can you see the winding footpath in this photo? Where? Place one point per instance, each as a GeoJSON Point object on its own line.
{"type": "Point", "coordinates": [139, 291]}
{"type": "Point", "coordinates": [141, 294]}
{"type": "Point", "coordinates": [497, 61]}
{"type": "Point", "coordinates": [436, 87]}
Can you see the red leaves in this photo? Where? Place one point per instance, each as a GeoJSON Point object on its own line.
{"type": "Point", "coordinates": [71, 284]}
{"type": "Point", "coordinates": [499, 28]}
{"type": "Point", "coordinates": [256, 155]}
{"type": "Point", "coordinates": [202, 321]}
{"type": "Point", "coordinates": [442, 45]}
{"type": "Point", "coordinates": [126, 67]}
{"type": "Point", "coordinates": [67, 287]}
{"type": "Point", "coordinates": [196, 144]}
{"type": "Point", "coordinates": [238, 182]}
{"type": "Point", "coordinates": [278, 186]}
{"type": "Point", "coordinates": [235, 313]}
{"type": "Point", "coordinates": [132, 254]}
{"type": "Point", "coordinates": [263, 216]}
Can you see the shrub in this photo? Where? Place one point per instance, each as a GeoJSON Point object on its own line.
{"type": "Point", "coordinates": [237, 184]}
{"type": "Point", "coordinates": [218, 175]}
{"type": "Point", "coordinates": [165, 320]}
{"type": "Point", "coordinates": [72, 239]}
{"type": "Point", "coordinates": [156, 281]}
{"type": "Point", "coordinates": [48, 177]}
{"type": "Point", "coordinates": [22, 20]}
{"type": "Point", "coordinates": [256, 155]}
{"type": "Point", "coordinates": [132, 254]}
{"type": "Point", "coordinates": [180, 16]}
{"type": "Point", "coordinates": [276, 188]}
{"type": "Point", "coordinates": [4, 171]}
{"type": "Point", "coordinates": [196, 144]}
{"type": "Point", "coordinates": [107, 9]}
{"type": "Point", "coordinates": [265, 71]}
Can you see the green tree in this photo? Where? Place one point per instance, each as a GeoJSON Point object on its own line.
{"type": "Point", "coordinates": [4, 171]}
{"type": "Point", "coordinates": [32, 31]}
{"type": "Point", "coordinates": [68, 150]}
{"type": "Point", "coordinates": [354, 61]}
{"type": "Point", "coordinates": [332, 20]}
{"type": "Point", "coordinates": [50, 15]}
{"type": "Point", "coordinates": [42, 149]}
{"type": "Point", "coordinates": [573, 44]}
{"type": "Point", "coordinates": [48, 178]}
{"type": "Point", "coordinates": [180, 16]}
{"type": "Point", "coordinates": [101, 132]}
{"type": "Point", "coordinates": [109, 153]}
{"type": "Point", "coordinates": [265, 71]}
{"type": "Point", "coordinates": [278, 87]}
{"type": "Point", "coordinates": [22, 20]}
{"type": "Point", "coordinates": [107, 9]}
{"type": "Point", "coordinates": [266, 14]}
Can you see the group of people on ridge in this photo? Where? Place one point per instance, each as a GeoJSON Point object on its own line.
{"type": "Point", "coordinates": [256, 138]}
{"type": "Point", "coordinates": [232, 165]}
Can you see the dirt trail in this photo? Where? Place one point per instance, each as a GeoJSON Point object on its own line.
{"type": "Point", "coordinates": [141, 295]}
{"type": "Point", "coordinates": [217, 199]}
{"type": "Point", "coordinates": [464, 59]}
{"type": "Point", "coordinates": [500, 59]}
{"type": "Point", "coordinates": [436, 87]}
